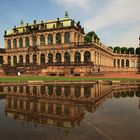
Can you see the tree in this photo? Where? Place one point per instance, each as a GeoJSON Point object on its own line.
{"type": "Point", "coordinates": [110, 47]}
{"type": "Point", "coordinates": [138, 50]}
{"type": "Point", "coordinates": [117, 49]}
{"type": "Point", "coordinates": [124, 50]}
{"type": "Point", "coordinates": [88, 37]}
{"type": "Point", "coordinates": [131, 50]}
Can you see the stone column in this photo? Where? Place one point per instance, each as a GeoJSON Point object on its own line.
{"type": "Point", "coordinates": [72, 38]}
{"type": "Point", "coordinates": [62, 57]}
{"type": "Point", "coordinates": [24, 58]}
{"type": "Point", "coordinates": [82, 56]}
{"type": "Point", "coordinates": [46, 39]}
{"type": "Point", "coordinates": [5, 43]}
{"type": "Point", "coordinates": [72, 56]}
{"type": "Point", "coordinates": [12, 61]}
{"type": "Point", "coordinates": [11, 43]}
{"type": "Point", "coordinates": [23, 41]}
{"type": "Point", "coordinates": [31, 58]}
{"type": "Point", "coordinates": [38, 40]}
{"type": "Point", "coordinates": [38, 58]}
{"type": "Point", "coordinates": [54, 38]}
{"type": "Point", "coordinates": [54, 57]}
{"type": "Point", "coordinates": [62, 38]}
{"type": "Point", "coordinates": [92, 56]}
{"type": "Point", "coordinates": [17, 39]}
{"type": "Point", "coordinates": [31, 41]}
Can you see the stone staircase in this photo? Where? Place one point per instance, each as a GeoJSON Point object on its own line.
{"type": "Point", "coordinates": [10, 70]}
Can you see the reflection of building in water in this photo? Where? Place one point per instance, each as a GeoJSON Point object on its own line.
{"type": "Point", "coordinates": [59, 105]}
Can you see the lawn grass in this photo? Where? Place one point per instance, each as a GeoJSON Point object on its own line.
{"type": "Point", "coordinates": [46, 78]}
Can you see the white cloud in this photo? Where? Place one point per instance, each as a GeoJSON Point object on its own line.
{"type": "Point", "coordinates": [117, 12]}
{"type": "Point", "coordinates": [120, 20]}
{"type": "Point", "coordinates": [85, 4]}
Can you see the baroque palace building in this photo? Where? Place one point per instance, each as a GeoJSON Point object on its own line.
{"type": "Point", "coordinates": [57, 47]}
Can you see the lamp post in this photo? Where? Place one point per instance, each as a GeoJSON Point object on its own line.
{"type": "Point", "coordinates": [139, 41]}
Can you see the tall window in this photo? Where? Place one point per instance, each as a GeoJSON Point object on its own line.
{"type": "Point", "coordinates": [9, 60]}
{"type": "Point", "coordinates": [15, 60]}
{"type": "Point", "coordinates": [114, 62]}
{"type": "Point", "coordinates": [67, 57]}
{"type": "Point", "coordinates": [118, 63]}
{"type": "Point", "coordinates": [9, 44]}
{"type": "Point", "coordinates": [77, 57]}
{"type": "Point", "coordinates": [27, 59]}
{"type": "Point", "coordinates": [20, 42]}
{"type": "Point", "coordinates": [122, 63]}
{"type": "Point", "coordinates": [42, 40]}
{"type": "Point", "coordinates": [58, 38]}
{"type": "Point", "coordinates": [67, 37]}
{"type": "Point", "coordinates": [127, 63]}
{"type": "Point", "coordinates": [21, 59]}
{"type": "Point", "coordinates": [87, 91]}
{"type": "Point", "coordinates": [58, 58]}
{"type": "Point", "coordinates": [15, 43]}
{"type": "Point", "coordinates": [50, 39]}
{"type": "Point", "coordinates": [87, 57]}
{"type": "Point", "coordinates": [34, 58]}
{"type": "Point", "coordinates": [50, 58]}
{"type": "Point", "coordinates": [27, 42]}
{"type": "Point", "coordinates": [77, 91]}
{"type": "Point", "coordinates": [34, 40]}
{"type": "Point", "coordinates": [42, 58]}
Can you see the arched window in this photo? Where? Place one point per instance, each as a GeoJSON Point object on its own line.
{"type": "Point", "coordinates": [78, 38]}
{"type": "Point", "coordinates": [67, 37]}
{"type": "Point", "coordinates": [9, 60]}
{"type": "Point", "coordinates": [27, 59]}
{"type": "Point", "coordinates": [9, 44]}
{"type": "Point", "coordinates": [50, 58]}
{"type": "Point", "coordinates": [118, 63]}
{"type": "Point", "coordinates": [50, 39]}
{"type": "Point", "coordinates": [74, 37]}
{"type": "Point", "coordinates": [77, 57]}
{"type": "Point", "coordinates": [34, 40]}
{"type": "Point", "coordinates": [20, 42]}
{"type": "Point", "coordinates": [42, 59]}
{"type": "Point", "coordinates": [58, 91]}
{"type": "Point", "coordinates": [15, 60]}
{"type": "Point", "coordinates": [127, 63]}
{"type": "Point", "coordinates": [1, 59]}
{"type": "Point", "coordinates": [122, 63]}
{"type": "Point", "coordinates": [15, 43]}
{"type": "Point", "coordinates": [21, 59]}
{"type": "Point", "coordinates": [77, 92]}
{"type": "Point", "coordinates": [58, 38]}
{"type": "Point", "coordinates": [42, 40]}
{"type": "Point", "coordinates": [67, 57]}
{"type": "Point", "coordinates": [87, 92]}
{"type": "Point", "coordinates": [27, 42]}
{"type": "Point", "coordinates": [114, 62]}
{"type": "Point", "coordinates": [87, 57]}
{"type": "Point", "coordinates": [34, 58]}
{"type": "Point", "coordinates": [58, 58]}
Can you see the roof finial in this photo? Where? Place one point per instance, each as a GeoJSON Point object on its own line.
{"type": "Point", "coordinates": [66, 15]}
{"type": "Point", "coordinates": [21, 22]}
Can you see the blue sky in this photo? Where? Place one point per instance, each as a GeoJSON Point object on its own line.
{"type": "Point", "coordinates": [116, 22]}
